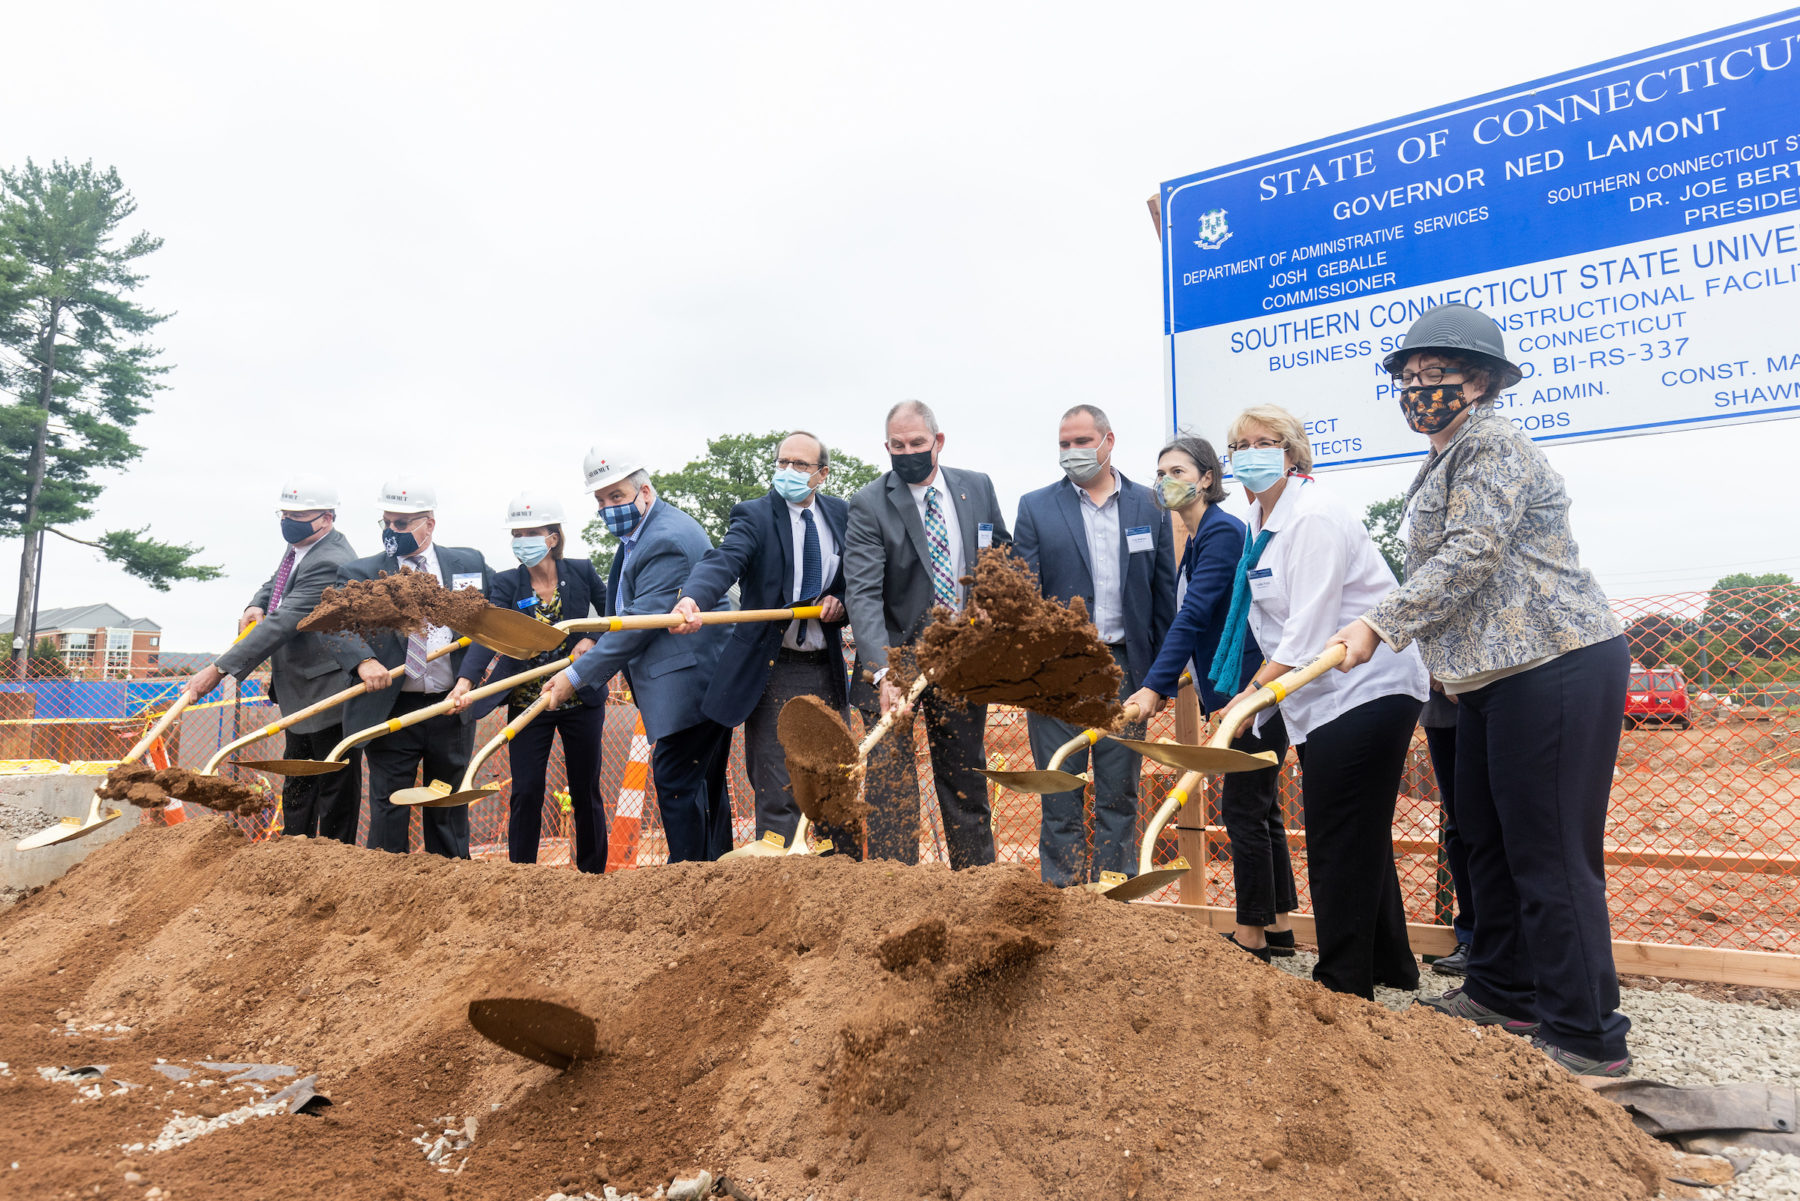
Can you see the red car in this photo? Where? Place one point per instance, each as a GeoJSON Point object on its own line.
{"type": "Point", "coordinates": [1658, 694]}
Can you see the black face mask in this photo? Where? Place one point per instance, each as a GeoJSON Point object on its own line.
{"type": "Point", "coordinates": [399, 543]}
{"type": "Point", "coordinates": [914, 468]}
{"type": "Point", "coordinates": [295, 531]}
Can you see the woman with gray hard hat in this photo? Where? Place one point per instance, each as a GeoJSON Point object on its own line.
{"type": "Point", "coordinates": [552, 588]}
{"type": "Point", "coordinates": [1521, 635]}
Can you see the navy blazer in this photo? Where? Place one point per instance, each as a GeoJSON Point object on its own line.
{"type": "Point", "coordinates": [1052, 538]}
{"type": "Point", "coordinates": [1210, 565]}
{"type": "Point", "coordinates": [583, 594]}
{"type": "Point", "coordinates": [758, 554]}
{"type": "Point", "coordinates": [668, 673]}
{"type": "Point", "coordinates": [389, 648]}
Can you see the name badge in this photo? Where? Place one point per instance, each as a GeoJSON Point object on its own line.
{"type": "Point", "coordinates": [527, 602]}
{"type": "Point", "coordinates": [984, 534]}
{"type": "Point", "coordinates": [1137, 539]}
{"type": "Point", "coordinates": [1262, 582]}
{"type": "Point", "coordinates": [466, 579]}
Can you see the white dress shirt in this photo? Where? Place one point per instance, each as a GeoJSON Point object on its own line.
{"type": "Point", "coordinates": [959, 567]}
{"type": "Point", "coordinates": [439, 676]}
{"type": "Point", "coordinates": [1324, 570]}
{"type": "Point", "coordinates": [809, 635]}
{"type": "Point", "coordinates": [1101, 521]}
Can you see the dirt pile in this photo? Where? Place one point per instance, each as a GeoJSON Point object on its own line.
{"type": "Point", "coordinates": [1011, 646]}
{"type": "Point", "coordinates": [152, 788]}
{"type": "Point", "coordinates": [405, 602]}
{"type": "Point", "coordinates": [823, 1027]}
{"type": "Point", "coordinates": [821, 763]}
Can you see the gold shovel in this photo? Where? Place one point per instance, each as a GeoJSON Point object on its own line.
{"type": "Point", "coordinates": [1052, 778]}
{"type": "Point", "coordinates": [1217, 757]}
{"type": "Point", "coordinates": [71, 828]}
{"type": "Point", "coordinates": [666, 621]}
{"type": "Point", "coordinates": [306, 767]}
{"type": "Point", "coordinates": [437, 795]}
{"type": "Point", "coordinates": [514, 634]}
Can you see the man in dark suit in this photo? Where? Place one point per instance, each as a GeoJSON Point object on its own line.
{"type": "Point", "coordinates": [913, 534]}
{"type": "Point", "coordinates": [306, 667]}
{"type": "Point", "coordinates": [441, 745]}
{"type": "Point", "coordinates": [1096, 535]}
{"type": "Point", "coordinates": [658, 548]}
{"type": "Point", "coordinates": [783, 549]}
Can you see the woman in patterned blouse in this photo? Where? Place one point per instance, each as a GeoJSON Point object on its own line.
{"type": "Point", "coordinates": [1515, 630]}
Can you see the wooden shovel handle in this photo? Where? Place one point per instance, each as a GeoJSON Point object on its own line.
{"type": "Point", "coordinates": [667, 621]}
{"type": "Point", "coordinates": [395, 724]}
{"type": "Point", "coordinates": [159, 727]}
{"type": "Point", "coordinates": [890, 717]}
{"type": "Point", "coordinates": [1274, 692]}
{"type": "Point", "coordinates": [506, 735]}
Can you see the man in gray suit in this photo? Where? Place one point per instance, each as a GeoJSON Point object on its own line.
{"type": "Point", "coordinates": [1096, 535]}
{"type": "Point", "coordinates": [914, 533]}
{"type": "Point", "coordinates": [306, 667]}
{"type": "Point", "coordinates": [441, 745]}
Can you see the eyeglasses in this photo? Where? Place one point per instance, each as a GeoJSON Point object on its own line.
{"type": "Point", "coordinates": [798, 465]}
{"type": "Point", "coordinates": [1429, 377]}
{"type": "Point", "coordinates": [1259, 444]}
{"type": "Point", "coordinates": [402, 524]}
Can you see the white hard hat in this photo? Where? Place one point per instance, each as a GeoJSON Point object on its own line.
{"type": "Point", "coordinates": [305, 491]}
{"type": "Point", "coordinates": [407, 495]}
{"type": "Point", "coordinates": [606, 466]}
{"type": "Point", "coordinates": [528, 510]}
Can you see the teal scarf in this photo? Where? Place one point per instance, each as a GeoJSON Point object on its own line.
{"type": "Point", "coordinates": [1227, 662]}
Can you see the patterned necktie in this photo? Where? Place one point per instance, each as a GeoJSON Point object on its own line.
{"type": "Point", "coordinates": [810, 559]}
{"type": "Point", "coordinates": [415, 645]}
{"type": "Point", "coordinates": [281, 579]}
{"type": "Point", "coordinates": [937, 538]}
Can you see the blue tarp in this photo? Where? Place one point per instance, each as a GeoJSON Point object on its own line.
{"type": "Point", "coordinates": [60, 700]}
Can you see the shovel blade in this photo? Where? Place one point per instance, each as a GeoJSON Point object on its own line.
{"type": "Point", "coordinates": [1040, 782]}
{"type": "Point", "coordinates": [460, 798]}
{"type": "Point", "coordinates": [769, 846]}
{"type": "Point", "coordinates": [544, 1031]}
{"type": "Point", "coordinates": [1145, 883]}
{"type": "Point", "coordinates": [512, 633]}
{"type": "Point", "coordinates": [291, 767]}
{"type": "Point", "coordinates": [1211, 760]}
{"type": "Point", "coordinates": [67, 830]}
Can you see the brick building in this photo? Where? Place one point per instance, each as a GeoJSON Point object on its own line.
{"type": "Point", "coordinates": [97, 642]}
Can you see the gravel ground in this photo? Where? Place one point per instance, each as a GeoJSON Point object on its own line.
{"type": "Point", "coordinates": [1682, 1039]}
{"type": "Point", "coordinates": [16, 821]}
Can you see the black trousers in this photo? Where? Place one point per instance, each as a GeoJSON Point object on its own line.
{"type": "Point", "coordinates": [1440, 741]}
{"type": "Point", "coordinates": [689, 768]}
{"type": "Point", "coordinates": [442, 746]}
{"type": "Point", "coordinates": [1250, 810]}
{"type": "Point", "coordinates": [1350, 771]}
{"type": "Point", "coordinates": [581, 727]}
{"type": "Point", "coordinates": [1535, 755]}
{"type": "Point", "coordinates": [957, 737]}
{"type": "Point", "coordinates": [322, 806]}
{"type": "Point", "coordinates": [766, 762]}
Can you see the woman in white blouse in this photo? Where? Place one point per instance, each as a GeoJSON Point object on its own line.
{"type": "Point", "coordinates": [1309, 566]}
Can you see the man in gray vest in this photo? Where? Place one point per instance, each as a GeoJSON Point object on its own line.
{"type": "Point", "coordinates": [307, 667]}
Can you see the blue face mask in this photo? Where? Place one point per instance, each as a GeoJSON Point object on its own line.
{"type": "Point", "coordinates": [792, 484]}
{"type": "Point", "coordinates": [621, 519]}
{"type": "Point", "coordinates": [1258, 468]}
{"type": "Point", "coordinates": [531, 551]}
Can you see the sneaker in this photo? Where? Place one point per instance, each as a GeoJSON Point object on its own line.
{"type": "Point", "coordinates": [1261, 953]}
{"type": "Point", "coordinates": [1457, 1004]}
{"type": "Point", "coordinates": [1578, 1066]}
{"type": "Point", "coordinates": [1456, 963]}
{"type": "Point", "coordinates": [1281, 943]}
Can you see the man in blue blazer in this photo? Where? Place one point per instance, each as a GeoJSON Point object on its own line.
{"type": "Point", "coordinates": [441, 745]}
{"type": "Point", "coordinates": [1096, 535]}
{"type": "Point", "coordinates": [783, 549]}
{"type": "Point", "coordinates": [658, 548]}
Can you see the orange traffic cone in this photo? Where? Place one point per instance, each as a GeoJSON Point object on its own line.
{"type": "Point", "coordinates": [622, 839]}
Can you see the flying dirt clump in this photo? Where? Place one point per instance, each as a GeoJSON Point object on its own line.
{"type": "Point", "coordinates": [821, 763]}
{"type": "Point", "coordinates": [1013, 646]}
{"type": "Point", "coordinates": [405, 602]}
{"type": "Point", "coordinates": [152, 788]}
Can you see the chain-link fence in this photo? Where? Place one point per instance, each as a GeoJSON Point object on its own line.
{"type": "Point", "coordinates": [1703, 834]}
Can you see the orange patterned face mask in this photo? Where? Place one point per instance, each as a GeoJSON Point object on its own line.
{"type": "Point", "coordinates": [1430, 410]}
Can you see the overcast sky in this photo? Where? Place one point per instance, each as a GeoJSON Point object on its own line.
{"type": "Point", "coordinates": [469, 242]}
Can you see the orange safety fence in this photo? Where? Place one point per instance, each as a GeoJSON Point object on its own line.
{"type": "Point", "coordinates": [1703, 836]}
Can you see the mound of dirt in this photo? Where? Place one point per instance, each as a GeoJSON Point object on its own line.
{"type": "Point", "coordinates": [150, 788]}
{"type": "Point", "coordinates": [821, 762]}
{"type": "Point", "coordinates": [1012, 646]}
{"type": "Point", "coordinates": [823, 1027]}
{"type": "Point", "coordinates": [406, 602]}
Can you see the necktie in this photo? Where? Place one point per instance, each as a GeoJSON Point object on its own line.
{"type": "Point", "coordinates": [281, 579]}
{"type": "Point", "coordinates": [415, 645]}
{"type": "Point", "coordinates": [937, 538]}
{"type": "Point", "coordinates": [810, 559]}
